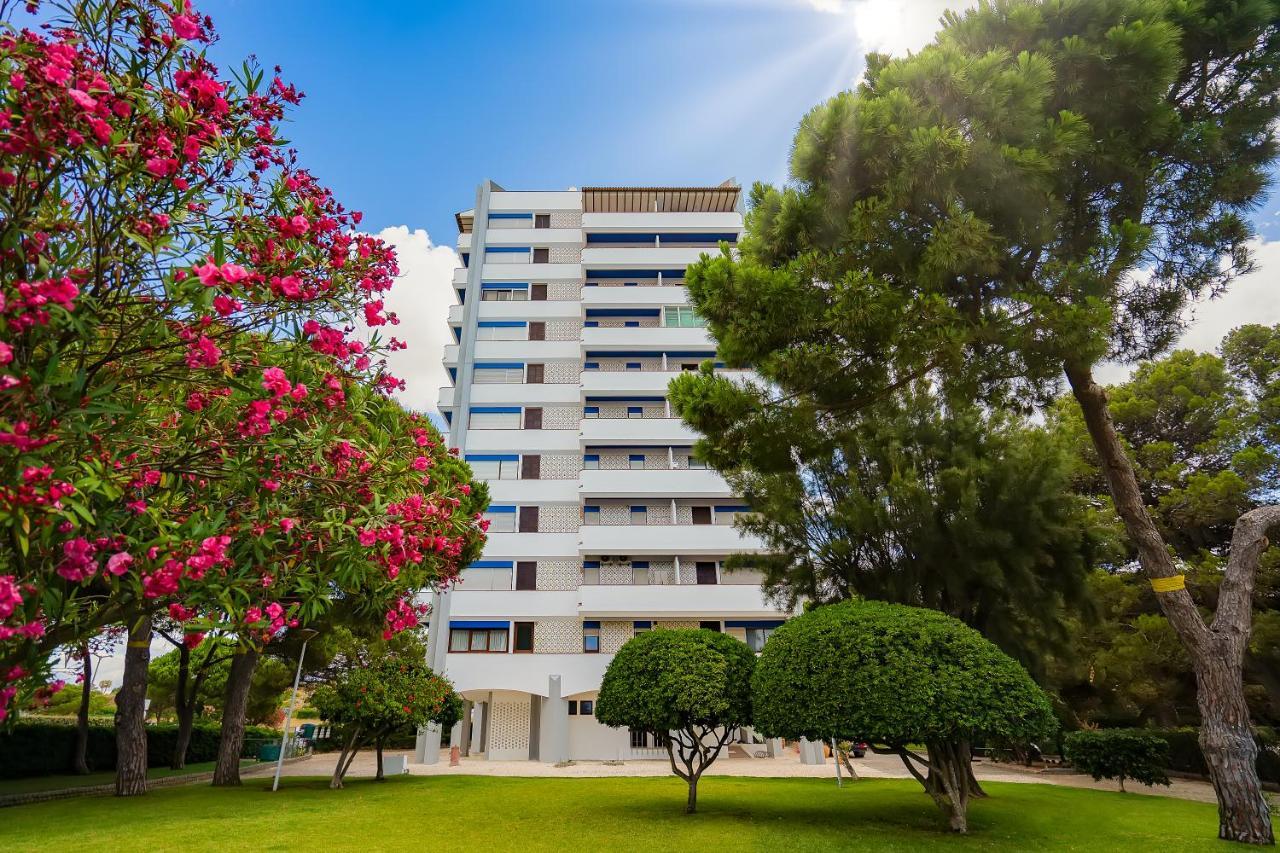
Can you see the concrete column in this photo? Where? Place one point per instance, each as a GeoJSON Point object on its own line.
{"type": "Point", "coordinates": [773, 747]}
{"type": "Point", "coordinates": [426, 747]}
{"type": "Point", "coordinates": [811, 752]}
{"type": "Point", "coordinates": [464, 733]}
{"type": "Point", "coordinates": [486, 708]}
{"type": "Point", "coordinates": [556, 723]}
{"type": "Point", "coordinates": [535, 725]}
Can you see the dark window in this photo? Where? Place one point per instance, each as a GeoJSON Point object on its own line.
{"type": "Point", "coordinates": [591, 637]}
{"type": "Point", "coordinates": [706, 573]}
{"type": "Point", "coordinates": [524, 637]}
{"type": "Point", "coordinates": [687, 366]}
{"type": "Point", "coordinates": [573, 707]}
{"type": "Point", "coordinates": [541, 256]}
{"type": "Point", "coordinates": [542, 220]}
{"type": "Point", "coordinates": [526, 578]}
{"type": "Point", "coordinates": [530, 467]}
{"type": "Point", "coordinates": [640, 740]}
{"type": "Point", "coordinates": [701, 514]}
{"type": "Point", "coordinates": [533, 420]}
{"type": "Point", "coordinates": [709, 626]}
{"type": "Point", "coordinates": [478, 640]}
{"type": "Point", "coordinates": [538, 293]}
{"type": "Point", "coordinates": [528, 519]}
{"type": "Point", "coordinates": [534, 374]}
{"type": "Point", "coordinates": [537, 331]}
{"type": "Point", "coordinates": [586, 707]}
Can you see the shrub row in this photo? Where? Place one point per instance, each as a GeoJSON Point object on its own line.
{"type": "Point", "coordinates": [45, 747]}
{"type": "Point", "coordinates": [1183, 753]}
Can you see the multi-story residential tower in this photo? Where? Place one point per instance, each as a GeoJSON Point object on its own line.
{"type": "Point", "coordinates": [571, 319]}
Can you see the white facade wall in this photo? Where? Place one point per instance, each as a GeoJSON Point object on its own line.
{"type": "Point", "coordinates": [587, 568]}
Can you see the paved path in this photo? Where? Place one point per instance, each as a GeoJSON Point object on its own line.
{"type": "Point", "coordinates": [787, 766]}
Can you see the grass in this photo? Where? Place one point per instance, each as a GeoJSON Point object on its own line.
{"type": "Point", "coordinates": [67, 780]}
{"type": "Point", "coordinates": [476, 812]}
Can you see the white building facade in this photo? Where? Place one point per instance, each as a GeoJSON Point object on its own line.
{"type": "Point", "coordinates": [571, 319]}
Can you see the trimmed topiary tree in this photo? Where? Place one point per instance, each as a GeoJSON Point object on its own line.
{"type": "Point", "coordinates": [1120, 754]}
{"type": "Point", "coordinates": [893, 675]}
{"type": "Point", "coordinates": [689, 688]}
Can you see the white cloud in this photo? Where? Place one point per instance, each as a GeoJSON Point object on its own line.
{"type": "Point", "coordinates": [421, 298]}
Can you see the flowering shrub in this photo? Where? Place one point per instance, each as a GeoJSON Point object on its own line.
{"type": "Point", "coordinates": [188, 418]}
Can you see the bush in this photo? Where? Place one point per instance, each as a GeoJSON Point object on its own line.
{"type": "Point", "coordinates": [45, 747]}
{"type": "Point", "coordinates": [1120, 754]}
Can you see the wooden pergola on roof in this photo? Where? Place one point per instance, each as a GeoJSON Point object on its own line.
{"type": "Point", "coordinates": [721, 199]}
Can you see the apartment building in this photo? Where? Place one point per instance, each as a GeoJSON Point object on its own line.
{"type": "Point", "coordinates": [571, 318]}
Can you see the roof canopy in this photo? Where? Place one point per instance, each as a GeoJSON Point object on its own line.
{"type": "Point", "coordinates": [721, 199]}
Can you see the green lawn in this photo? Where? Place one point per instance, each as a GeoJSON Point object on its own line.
{"type": "Point", "coordinates": [476, 813]}
{"type": "Point", "coordinates": [67, 780]}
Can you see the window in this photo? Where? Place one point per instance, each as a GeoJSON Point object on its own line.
{"type": "Point", "coordinates": [533, 417]}
{"type": "Point", "coordinates": [541, 256]}
{"type": "Point", "coordinates": [528, 519]}
{"type": "Point", "coordinates": [502, 330]}
{"type": "Point", "coordinates": [573, 707]}
{"type": "Point", "coordinates": [591, 412]}
{"type": "Point", "coordinates": [639, 572]}
{"type": "Point", "coordinates": [590, 324]}
{"type": "Point", "coordinates": [681, 316]}
{"type": "Point", "coordinates": [641, 627]}
{"type": "Point", "coordinates": [634, 365]}
{"type": "Point", "coordinates": [756, 638]}
{"type": "Point", "coordinates": [502, 519]}
{"type": "Point", "coordinates": [642, 740]}
{"type": "Point", "coordinates": [591, 515]}
{"type": "Point", "coordinates": [524, 637]}
{"type": "Point", "coordinates": [542, 220]}
{"type": "Point", "coordinates": [538, 293]}
{"type": "Point", "coordinates": [591, 462]}
{"type": "Point", "coordinates": [535, 374]}
{"type": "Point", "coordinates": [537, 330]}
{"type": "Point", "coordinates": [586, 707]}
{"type": "Point", "coordinates": [709, 625]}
{"type": "Point", "coordinates": [487, 375]}
{"type": "Point", "coordinates": [590, 572]}
{"type": "Point", "coordinates": [686, 366]}
{"type": "Point", "coordinates": [478, 640]}
{"type": "Point", "coordinates": [705, 573]}
{"type": "Point", "coordinates": [701, 515]}
{"type": "Point", "coordinates": [504, 294]}
{"type": "Point", "coordinates": [494, 469]}
{"type": "Point", "coordinates": [695, 463]}
{"type": "Point", "coordinates": [640, 515]}
{"type": "Point", "coordinates": [495, 419]}
{"type": "Point", "coordinates": [631, 324]}
{"type": "Point", "coordinates": [635, 411]}
{"type": "Point", "coordinates": [591, 637]}
{"type": "Point", "coordinates": [636, 461]}
{"type": "Point", "coordinates": [591, 365]}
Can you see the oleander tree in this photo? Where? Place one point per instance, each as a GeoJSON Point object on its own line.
{"type": "Point", "coordinates": [1044, 187]}
{"type": "Point", "coordinates": [691, 689]}
{"type": "Point", "coordinates": [188, 414]}
{"type": "Point", "coordinates": [895, 676]}
{"type": "Point", "coordinates": [370, 701]}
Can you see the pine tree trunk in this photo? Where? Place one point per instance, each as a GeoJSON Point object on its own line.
{"type": "Point", "coordinates": [131, 709]}
{"type": "Point", "coordinates": [231, 741]}
{"type": "Point", "coordinates": [1217, 651]}
{"type": "Point", "coordinates": [186, 722]}
{"type": "Point", "coordinates": [80, 760]}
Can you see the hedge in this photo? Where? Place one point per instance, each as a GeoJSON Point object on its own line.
{"type": "Point", "coordinates": [43, 748]}
{"type": "Point", "coordinates": [1120, 754]}
{"type": "Point", "coordinates": [1185, 755]}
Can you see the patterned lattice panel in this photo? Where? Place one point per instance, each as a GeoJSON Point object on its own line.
{"type": "Point", "coordinates": [509, 724]}
{"type": "Point", "coordinates": [557, 636]}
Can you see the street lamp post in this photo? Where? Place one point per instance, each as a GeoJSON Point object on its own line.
{"type": "Point", "coordinates": [306, 634]}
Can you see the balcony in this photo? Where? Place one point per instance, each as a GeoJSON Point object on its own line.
{"type": "Point", "coordinates": [664, 222]}
{"type": "Point", "coordinates": [675, 601]}
{"type": "Point", "coordinates": [654, 483]}
{"type": "Point", "coordinates": [464, 242]}
{"type": "Point", "coordinates": [495, 273]}
{"type": "Point", "coordinates": [633, 297]}
{"type": "Point", "coordinates": [533, 491]}
{"type": "Point", "coordinates": [521, 440]}
{"type": "Point", "coordinates": [528, 350]}
{"type": "Point", "coordinates": [578, 673]}
{"type": "Point", "coordinates": [643, 382]}
{"type": "Point", "coordinates": [531, 236]}
{"type": "Point", "coordinates": [625, 432]}
{"type": "Point", "coordinates": [684, 539]}
{"type": "Point", "coordinates": [643, 258]}
{"type": "Point", "coordinates": [666, 337]}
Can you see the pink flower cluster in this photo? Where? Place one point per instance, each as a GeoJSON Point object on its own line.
{"type": "Point", "coordinates": [402, 616]}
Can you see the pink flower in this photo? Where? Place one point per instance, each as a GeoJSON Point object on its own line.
{"type": "Point", "coordinates": [267, 581]}
{"type": "Point", "coordinates": [82, 99]}
{"type": "Point", "coordinates": [270, 485]}
{"type": "Point", "coordinates": [77, 560]}
{"type": "Point", "coordinates": [119, 563]}
{"type": "Point", "coordinates": [185, 27]}
{"type": "Point", "coordinates": [421, 463]}
{"type": "Point", "coordinates": [274, 380]}
{"type": "Point", "coordinates": [253, 614]}
{"type": "Point", "coordinates": [192, 639]}
{"type": "Point", "coordinates": [225, 305]}
{"type": "Point", "coordinates": [162, 167]}
{"type": "Point", "coordinates": [234, 273]}
{"type": "Point", "coordinates": [287, 524]}
{"type": "Point", "coordinates": [290, 286]}
{"type": "Point", "coordinates": [10, 597]}
{"type": "Point", "coordinates": [208, 273]}
{"type": "Point", "coordinates": [299, 392]}
{"type": "Point", "coordinates": [6, 353]}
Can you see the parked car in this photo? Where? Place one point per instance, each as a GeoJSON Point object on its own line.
{"type": "Point", "coordinates": [860, 749]}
